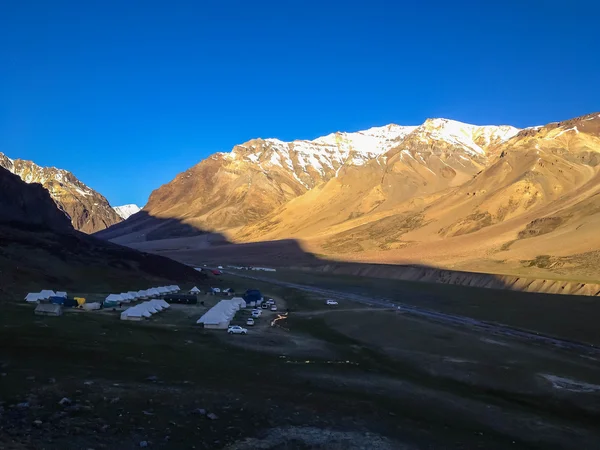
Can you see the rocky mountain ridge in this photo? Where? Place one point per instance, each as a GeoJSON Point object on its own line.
{"type": "Point", "coordinates": [88, 210]}
{"type": "Point", "coordinates": [442, 193]}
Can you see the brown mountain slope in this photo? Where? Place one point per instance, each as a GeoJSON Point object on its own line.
{"type": "Point", "coordinates": [443, 193]}
{"type": "Point", "coordinates": [87, 209]}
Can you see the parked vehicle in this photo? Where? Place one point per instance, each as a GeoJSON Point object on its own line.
{"type": "Point", "coordinates": [236, 329]}
{"type": "Point", "coordinates": [264, 306]}
{"type": "Point", "coordinates": [331, 302]}
{"type": "Point", "coordinates": [216, 290]}
{"type": "Point", "coordinates": [226, 290]}
{"type": "Point", "coordinates": [270, 302]}
{"type": "Point", "coordinates": [273, 307]}
{"type": "Point", "coordinates": [256, 313]}
{"type": "Point", "coordinates": [250, 321]}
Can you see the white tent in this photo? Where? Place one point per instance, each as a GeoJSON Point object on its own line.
{"type": "Point", "coordinates": [163, 303]}
{"type": "Point", "coordinates": [61, 294]}
{"type": "Point", "coordinates": [46, 294]}
{"type": "Point", "coordinates": [220, 315]}
{"type": "Point", "coordinates": [127, 297]}
{"type": "Point", "coordinates": [114, 298]}
{"type": "Point", "coordinates": [163, 290]}
{"type": "Point", "coordinates": [240, 301]}
{"type": "Point", "coordinates": [177, 288]}
{"type": "Point", "coordinates": [134, 295]}
{"type": "Point", "coordinates": [143, 309]}
{"type": "Point", "coordinates": [132, 314]}
{"type": "Point", "coordinates": [156, 304]}
{"type": "Point", "coordinates": [48, 309]}
{"type": "Point", "coordinates": [153, 292]}
{"type": "Point", "coordinates": [142, 294]}
{"type": "Point", "coordinates": [150, 308]}
{"type": "Point", "coordinates": [32, 297]}
{"type": "Point", "coordinates": [194, 290]}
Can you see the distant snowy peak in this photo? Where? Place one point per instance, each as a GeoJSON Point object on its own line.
{"type": "Point", "coordinates": [126, 211]}
{"type": "Point", "coordinates": [473, 138]}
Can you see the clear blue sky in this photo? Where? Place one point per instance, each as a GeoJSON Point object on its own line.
{"type": "Point", "coordinates": [127, 94]}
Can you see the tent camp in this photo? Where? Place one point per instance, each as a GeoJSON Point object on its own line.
{"type": "Point", "coordinates": [194, 290]}
{"type": "Point", "coordinates": [163, 290]}
{"type": "Point", "coordinates": [134, 295]}
{"type": "Point", "coordinates": [48, 309]}
{"type": "Point", "coordinates": [32, 297]}
{"type": "Point", "coordinates": [46, 294]}
{"type": "Point", "coordinates": [142, 294]}
{"type": "Point", "coordinates": [133, 313]}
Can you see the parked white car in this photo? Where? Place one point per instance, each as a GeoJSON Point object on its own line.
{"type": "Point", "coordinates": [273, 307]}
{"type": "Point", "coordinates": [219, 267]}
{"type": "Point", "coordinates": [270, 302]}
{"type": "Point", "coordinates": [250, 321]}
{"type": "Point", "coordinates": [236, 329]}
{"type": "Point", "coordinates": [256, 313]}
{"type": "Point", "coordinates": [331, 302]}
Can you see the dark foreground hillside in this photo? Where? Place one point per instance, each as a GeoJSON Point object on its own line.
{"type": "Point", "coordinates": [40, 250]}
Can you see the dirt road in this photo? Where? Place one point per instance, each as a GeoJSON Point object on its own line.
{"type": "Point", "coordinates": [452, 319]}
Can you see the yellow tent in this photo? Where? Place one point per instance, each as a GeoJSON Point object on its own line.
{"type": "Point", "coordinates": [80, 301]}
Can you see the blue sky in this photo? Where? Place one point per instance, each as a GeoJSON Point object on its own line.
{"type": "Point", "coordinates": [127, 94]}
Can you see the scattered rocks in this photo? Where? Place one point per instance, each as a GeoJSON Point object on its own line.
{"type": "Point", "coordinates": [200, 411]}
{"type": "Point", "coordinates": [115, 400]}
{"type": "Point", "coordinates": [51, 380]}
{"type": "Point", "coordinates": [144, 444]}
{"type": "Point", "coordinates": [148, 413]}
{"type": "Point", "coordinates": [65, 401]}
{"type": "Point", "coordinates": [212, 416]}
{"type": "Point", "coordinates": [88, 383]}
{"type": "Point", "coordinates": [152, 378]}
{"type": "Point", "coordinates": [23, 405]}
{"type": "Point", "coordinates": [37, 423]}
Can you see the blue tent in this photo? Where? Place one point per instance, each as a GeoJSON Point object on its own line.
{"type": "Point", "coordinates": [57, 300]}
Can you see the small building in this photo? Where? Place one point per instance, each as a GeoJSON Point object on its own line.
{"type": "Point", "coordinates": [90, 306]}
{"type": "Point", "coordinates": [48, 309]}
{"type": "Point", "coordinates": [194, 290]}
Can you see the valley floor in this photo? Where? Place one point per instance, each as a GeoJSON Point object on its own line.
{"type": "Point", "coordinates": [349, 376]}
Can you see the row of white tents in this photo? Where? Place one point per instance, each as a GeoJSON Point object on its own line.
{"type": "Point", "coordinates": [145, 309]}
{"type": "Point", "coordinates": [43, 295]}
{"type": "Point", "coordinates": [220, 315]}
{"type": "Point", "coordinates": [131, 296]}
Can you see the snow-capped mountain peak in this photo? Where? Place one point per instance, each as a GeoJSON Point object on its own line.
{"type": "Point", "coordinates": [126, 211]}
